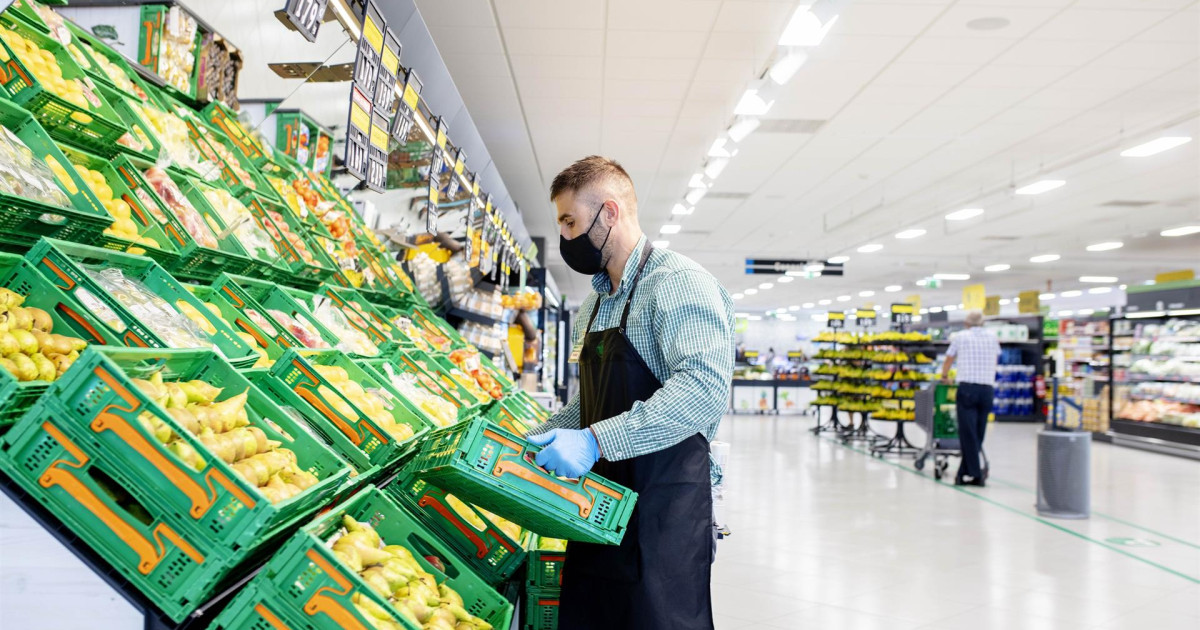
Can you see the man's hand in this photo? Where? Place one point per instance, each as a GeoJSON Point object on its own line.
{"type": "Point", "coordinates": [567, 452]}
{"type": "Point", "coordinates": [945, 379]}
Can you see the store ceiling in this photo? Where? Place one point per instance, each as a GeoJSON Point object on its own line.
{"type": "Point", "coordinates": [918, 114]}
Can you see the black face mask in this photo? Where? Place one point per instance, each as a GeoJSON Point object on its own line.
{"type": "Point", "coordinates": [580, 254]}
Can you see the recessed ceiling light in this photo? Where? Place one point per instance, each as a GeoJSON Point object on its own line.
{"type": "Point", "coordinates": [1070, 294]}
{"type": "Point", "coordinates": [750, 291]}
{"type": "Point", "coordinates": [964, 214]}
{"type": "Point", "coordinates": [999, 267]}
{"type": "Point", "coordinates": [1157, 146]}
{"type": "Point", "coordinates": [784, 279]}
{"type": "Point", "coordinates": [951, 276]}
{"type": "Point", "coordinates": [1122, 287]}
{"type": "Point", "coordinates": [1065, 313]}
{"type": "Point", "coordinates": [697, 181]}
{"type": "Point", "coordinates": [695, 195]}
{"type": "Point", "coordinates": [1005, 301]}
{"type": "Point", "coordinates": [742, 128]}
{"type": "Point", "coordinates": [718, 149]}
{"type": "Point", "coordinates": [1105, 246]}
{"type": "Point", "coordinates": [793, 308]}
{"type": "Point", "coordinates": [1046, 296]}
{"type": "Point", "coordinates": [843, 298]}
{"type": "Point", "coordinates": [825, 302]}
{"type": "Point", "coordinates": [892, 288]}
{"type": "Point", "coordinates": [1098, 279]}
{"type": "Point", "coordinates": [805, 28]}
{"type": "Point", "coordinates": [670, 228]}
{"type": "Point", "coordinates": [838, 260]}
{"type": "Point", "coordinates": [1099, 290]}
{"type": "Point", "coordinates": [988, 23]}
{"type": "Point", "coordinates": [737, 296]}
{"type": "Point", "coordinates": [1181, 231]}
{"type": "Point", "coordinates": [866, 293]}
{"type": "Point", "coordinates": [752, 104]}
{"type": "Point", "coordinates": [808, 305]}
{"type": "Point", "coordinates": [935, 309]}
{"type": "Point", "coordinates": [682, 210]}
{"type": "Point", "coordinates": [871, 247]}
{"type": "Point", "coordinates": [786, 66]}
{"type": "Point", "coordinates": [1044, 258]}
{"type": "Point", "coordinates": [1037, 188]}
{"type": "Point", "coordinates": [910, 233]}
{"type": "Point", "coordinates": [715, 166]}
{"type": "Point", "coordinates": [766, 285]}
{"type": "Point", "coordinates": [661, 244]}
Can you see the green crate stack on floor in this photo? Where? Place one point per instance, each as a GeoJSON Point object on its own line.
{"type": "Point", "coordinates": [543, 583]}
{"type": "Point", "coordinates": [134, 469]}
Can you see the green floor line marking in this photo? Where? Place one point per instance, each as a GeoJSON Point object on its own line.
{"type": "Point", "coordinates": [1103, 515]}
{"type": "Point", "coordinates": [1019, 512]}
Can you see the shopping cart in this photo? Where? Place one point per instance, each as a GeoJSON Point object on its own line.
{"type": "Point", "coordinates": [935, 414]}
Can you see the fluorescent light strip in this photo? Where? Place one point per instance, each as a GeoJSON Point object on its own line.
{"type": "Point", "coordinates": [786, 67]}
{"type": "Point", "coordinates": [1044, 258]}
{"type": "Point", "coordinates": [1181, 231]}
{"type": "Point", "coordinates": [838, 260]}
{"type": "Point", "coordinates": [1145, 314]}
{"type": "Point", "coordinates": [1043, 186]}
{"type": "Point", "coordinates": [951, 276]}
{"type": "Point", "coordinates": [742, 128]}
{"type": "Point", "coordinates": [866, 293]}
{"type": "Point", "coordinates": [784, 279]}
{"type": "Point", "coordinates": [1184, 312]}
{"type": "Point", "coordinates": [870, 248]}
{"type": "Point", "coordinates": [1070, 294]}
{"type": "Point", "coordinates": [1154, 147]}
{"type": "Point", "coordinates": [996, 268]}
{"type": "Point", "coordinates": [892, 288]}
{"type": "Point", "coordinates": [670, 228]}
{"type": "Point", "coordinates": [1100, 290]}
{"type": "Point", "coordinates": [1105, 246]}
{"type": "Point", "coordinates": [910, 233]}
{"type": "Point", "coordinates": [682, 210]}
{"type": "Point", "coordinates": [1098, 279]}
{"type": "Point", "coordinates": [964, 214]}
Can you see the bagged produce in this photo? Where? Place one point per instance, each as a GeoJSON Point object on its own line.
{"type": "Point", "coordinates": [375, 403]}
{"type": "Point", "coordinates": [156, 313]}
{"type": "Point", "coordinates": [183, 210]}
{"type": "Point", "coordinates": [302, 330]}
{"type": "Point", "coordinates": [238, 219]}
{"type": "Point", "coordinates": [438, 409]}
{"type": "Point", "coordinates": [350, 339]}
{"type": "Point", "coordinates": [24, 175]}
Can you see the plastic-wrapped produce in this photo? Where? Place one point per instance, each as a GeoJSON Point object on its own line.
{"type": "Point", "coordinates": [302, 330]}
{"type": "Point", "coordinates": [351, 340]}
{"type": "Point", "coordinates": [438, 409]}
{"type": "Point", "coordinates": [156, 313]}
{"type": "Point", "coordinates": [176, 56]}
{"type": "Point", "coordinates": [238, 218]}
{"type": "Point", "coordinates": [21, 174]}
{"type": "Point", "coordinates": [195, 224]}
{"type": "Point", "coordinates": [173, 135]}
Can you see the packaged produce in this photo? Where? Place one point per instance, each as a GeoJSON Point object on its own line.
{"type": "Point", "coordinates": [44, 66]}
{"type": "Point", "coordinates": [24, 175]}
{"type": "Point", "coordinates": [238, 218]}
{"type": "Point", "coordinates": [551, 544]}
{"type": "Point", "coordinates": [373, 402]}
{"type": "Point", "coordinates": [438, 409]}
{"type": "Point", "coordinates": [183, 209]}
{"type": "Point", "coordinates": [302, 330]}
{"type": "Point", "coordinates": [392, 571]}
{"type": "Point", "coordinates": [223, 427]}
{"type": "Point", "coordinates": [177, 330]}
{"type": "Point", "coordinates": [176, 53]}
{"type": "Point", "coordinates": [468, 361]}
{"type": "Point", "coordinates": [29, 349]}
{"type": "Point", "coordinates": [172, 134]}
{"type": "Point", "coordinates": [350, 339]}
{"type": "Point", "coordinates": [216, 151]}
{"type": "Point", "coordinates": [123, 226]}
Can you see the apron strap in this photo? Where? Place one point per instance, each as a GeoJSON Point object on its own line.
{"type": "Point", "coordinates": [629, 301]}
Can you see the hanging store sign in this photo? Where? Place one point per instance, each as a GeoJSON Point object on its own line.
{"type": "Point", "coordinates": [992, 305]}
{"type": "Point", "coordinates": [836, 319]}
{"type": "Point", "coordinates": [406, 111]}
{"type": "Point", "coordinates": [306, 16]}
{"type": "Point", "coordinates": [358, 131]}
{"type": "Point", "coordinates": [864, 316]}
{"type": "Point", "coordinates": [903, 313]}
{"type": "Point", "coordinates": [1029, 303]}
{"type": "Point", "coordinates": [974, 297]}
{"type": "Point", "coordinates": [1174, 276]}
{"type": "Point", "coordinates": [389, 67]}
{"type": "Point", "coordinates": [795, 267]}
{"type": "Point", "coordinates": [370, 49]}
{"type": "Point", "coordinates": [377, 153]}
{"type": "Point", "coordinates": [915, 300]}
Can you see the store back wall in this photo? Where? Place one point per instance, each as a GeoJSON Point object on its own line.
{"type": "Point", "coordinates": [783, 336]}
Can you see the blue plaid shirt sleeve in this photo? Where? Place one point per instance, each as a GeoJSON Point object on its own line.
{"type": "Point", "coordinates": [693, 323]}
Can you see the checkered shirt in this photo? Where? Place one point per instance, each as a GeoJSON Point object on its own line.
{"type": "Point", "coordinates": [681, 323]}
{"type": "Point", "coordinates": [975, 351]}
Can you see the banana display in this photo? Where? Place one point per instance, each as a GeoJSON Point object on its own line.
{"type": "Point", "coordinates": [28, 349]}
{"type": "Point", "coordinates": [873, 355]}
{"type": "Point", "coordinates": [394, 573]}
{"type": "Point", "coordinates": [224, 428]}
{"type": "Point", "coordinates": [874, 391]}
{"type": "Point", "coordinates": [849, 404]}
{"type": "Point", "coordinates": [871, 338]}
{"type": "Point", "coordinates": [894, 414]}
{"type": "Point", "coordinates": [369, 401]}
{"type": "Point", "coordinates": [850, 372]}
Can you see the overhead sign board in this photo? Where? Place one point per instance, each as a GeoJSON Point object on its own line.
{"type": "Point", "coordinates": [836, 319]}
{"type": "Point", "coordinates": [813, 268]}
{"type": "Point", "coordinates": [1029, 302]}
{"type": "Point", "coordinates": [306, 16]}
{"type": "Point", "coordinates": [864, 316]}
{"type": "Point", "coordinates": [358, 132]}
{"type": "Point", "coordinates": [974, 297]}
{"type": "Point", "coordinates": [903, 313]}
{"type": "Point", "coordinates": [992, 306]}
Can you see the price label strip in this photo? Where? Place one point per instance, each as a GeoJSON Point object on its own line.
{"type": "Point", "coordinates": [377, 153]}
{"type": "Point", "coordinates": [358, 132]}
{"type": "Point", "coordinates": [836, 319]}
{"type": "Point", "coordinates": [902, 313]}
{"type": "Point", "coordinates": [306, 16]}
{"type": "Point", "coordinates": [389, 67]}
{"type": "Point", "coordinates": [370, 48]}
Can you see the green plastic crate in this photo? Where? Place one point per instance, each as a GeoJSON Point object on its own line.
{"type": "Point", "coordinates": [319, 588]}
{"type": "Point", "coordinates": [64, 264]}
{"type": "Point", "coordinates": [211, 143]}
{"type": "Point", "coordinates": [297, 372]}
{"type": "Point", "coordinates": [94, 49]}
{"type": "Point", "coordinates": [494, 469]}
{"type": "Point", "coordinates": [361, 315]}
{"type": "Point", "coordinates": [295, 270]}
{"type": "Point", "coordinates": [131, 116]}
{"type": "Point", "coordinates": [166, 254]}
{"type": "Point", "coordinates": [23, 220]}
{"type": "Point", "coordinates": [511, 417]}
{"type": "Point", "coordinates": [95, 128]}
{"type": "Point", "coordinates": [543, 567]}
{"type": "Point", "coordinates": [231, 255]}
{"type": "Point", "coordinates": [489, 551]}
{"type": "Point", "coordinates": [103, 403]}
{"type": "Point", "coordinates": [139, 539]}
{"type": "Point", "coordinates": [541, 609]}
{"type": "Point", "coordinates": [240, 297]}
{"type": "Point", "coordinates": [440, 367]}
{"type": "Point", "coordinates": [153, 21]}
{"type": "Point", "coordinates": [271, 296]}
{"type": "Point", "coordinates": [225, 120]}
{"type": "Point", "coordinates": [383, 369]}
{"type": "Point", "coordinates": [258, 606]}
{"type": "Point", "coordinates": [411, 362]}
{"type": "Point", "coordinates": [945, 422]}
{"type": "Point", "coordinates": [19, 275]}
{"type": "Point", "coordinates": [237, 320]}
{"type": "Point", "coordinates": [310, 300]}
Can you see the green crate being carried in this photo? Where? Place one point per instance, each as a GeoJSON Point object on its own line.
{"type": "Point", "coordinates": [369, 559]}
{"type": "Point", "coordinates": [40, 194]}
{"type": "Point", "coordinates": [493, 547]}
{"type": "Point", "coordinates": [136, 299]}
{"type": "Point", "coordinates": [39, 75]}
{"type": "Point", "coordinates": [169, 464]}
{"type": "Point", "coordinates": [494, 469]}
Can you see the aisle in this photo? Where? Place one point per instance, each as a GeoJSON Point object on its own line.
{"type": "Point", "coordinates": [827, 537]}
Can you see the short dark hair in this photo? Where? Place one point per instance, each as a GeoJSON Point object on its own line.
{"type": "Point", "coordinates": [591, 170]}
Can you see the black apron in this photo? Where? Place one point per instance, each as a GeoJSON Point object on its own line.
{"type": "Point", "coordinates": [658, 578]}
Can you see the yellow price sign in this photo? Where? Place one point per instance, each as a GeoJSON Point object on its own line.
{"type": "Point", "coordinates": [915, 300]}
{"type": "Point", "coordinates": [974, 297]}
{"type": "Point", "coordinates": [1029, 302]}
{"type": "Point", "coordinates": [1174, 276]}
{"type": "Point", "coordinates": [992, 307]}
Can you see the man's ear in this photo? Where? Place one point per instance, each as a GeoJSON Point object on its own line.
{"type": "Point", "coordinates": [612, 212]}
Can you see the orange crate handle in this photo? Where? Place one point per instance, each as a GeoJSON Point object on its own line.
{"type": "Point", "coordinates": [150, 553]}
{"type": "Point", "coordinates": [270, 617]}
{"type": "Point", "coordinates": [322, 603]}
{"type": "Point", "coordinates": [481, 549]}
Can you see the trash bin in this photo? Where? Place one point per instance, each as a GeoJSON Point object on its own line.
{"type": "Point", "coordinates": [1064, 474]}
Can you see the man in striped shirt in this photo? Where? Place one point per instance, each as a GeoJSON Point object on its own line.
{"type": "Point", "coordinates": [976, 351]}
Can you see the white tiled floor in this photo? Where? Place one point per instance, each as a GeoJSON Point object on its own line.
{"type": "Point", "coordinates": [828, 537]}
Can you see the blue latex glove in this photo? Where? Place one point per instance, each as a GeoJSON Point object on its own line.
{"type": "Point", "coordinates": [567, 452]}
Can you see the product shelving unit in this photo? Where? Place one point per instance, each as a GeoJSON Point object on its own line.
{"type": "Point", "coordinates": [1155, 394]}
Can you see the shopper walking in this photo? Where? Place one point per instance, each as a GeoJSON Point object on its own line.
{"type": "Point", "coordinates": [655, 360]}
{"type": "Point", "coordinates": [976, 351]}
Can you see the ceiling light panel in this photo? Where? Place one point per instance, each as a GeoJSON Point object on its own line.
{"type": "Point", "coordinates": [1043, 186]}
